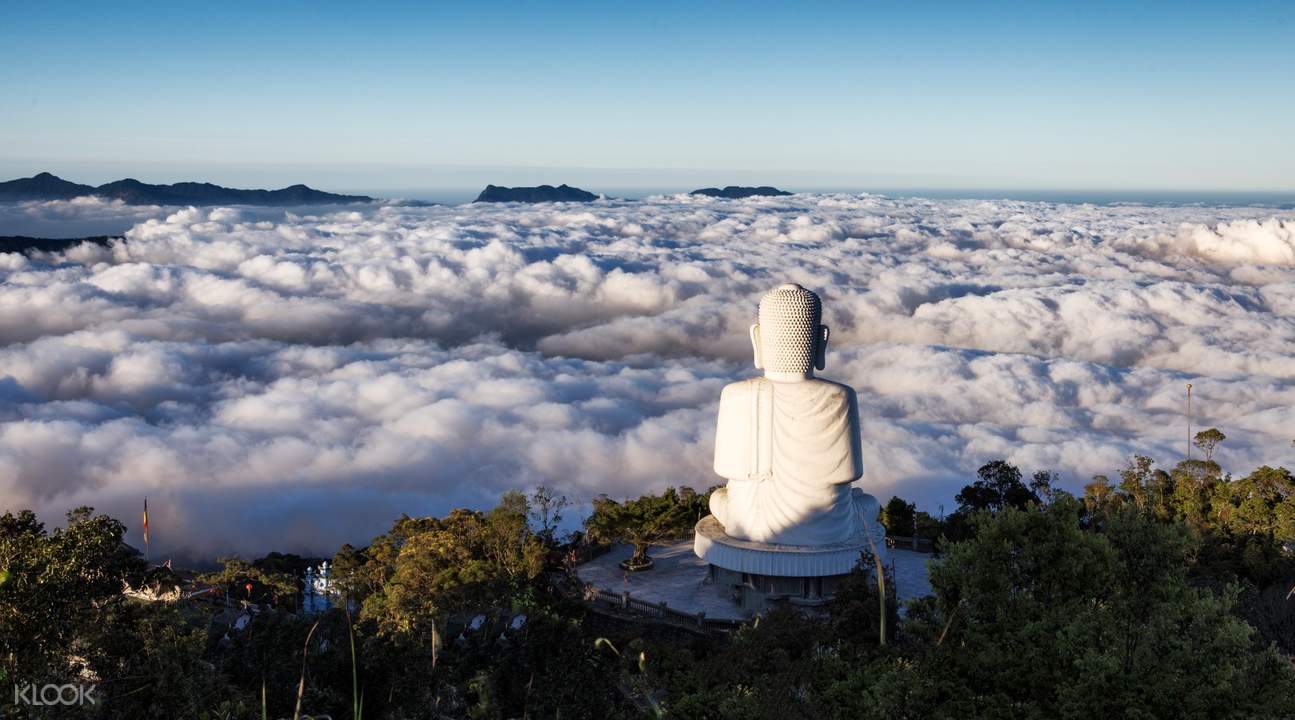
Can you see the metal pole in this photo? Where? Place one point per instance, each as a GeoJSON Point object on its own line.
{"type": "Point", "coordinates": [1189, 421]}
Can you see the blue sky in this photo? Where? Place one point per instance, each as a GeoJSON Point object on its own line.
{"type": "Point", "coordinates": [810, 95]}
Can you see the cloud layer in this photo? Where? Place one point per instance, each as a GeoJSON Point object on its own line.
{"type": "Point", "coordinates": [293, 381]}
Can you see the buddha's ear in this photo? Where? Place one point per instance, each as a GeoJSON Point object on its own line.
{"type": "Point", "coordinates": [755, 346]}
{"type": "Point", "coordinates": [820, 351]}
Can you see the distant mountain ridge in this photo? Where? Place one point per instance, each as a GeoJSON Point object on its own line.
{"type": "Point", "coordinates": [737, 192]}
{"type": "Point", "coordinates": [537, 194]}
{"type": "Point", "coordinates": [24, 244]}
{"type": "Point", "coordinates": [46, 186]}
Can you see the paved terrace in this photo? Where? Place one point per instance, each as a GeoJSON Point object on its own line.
{"type": "Point", "coordinates": [678, 576]}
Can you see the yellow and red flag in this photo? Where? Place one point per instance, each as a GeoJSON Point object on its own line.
{"type": "Point", "coordinates": [145, 521]}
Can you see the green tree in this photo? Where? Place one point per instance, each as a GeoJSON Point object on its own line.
{"type": "Point", "coordinates": [1261, 503]}
{"type": "Point", "coordinates": [1148, 488]}
{"type": "Point", "coordinates": [434, 568]}
{"type": "Point", "coordinates": [1037, 617]}
{"type": "Point", "coordinates": [1195, 486]}
{"type": "Point", "coordinates": [998, 485]}
{"type": "Point", "coordinates": [928, 527]}
{"type": "Point", "coordinates": [347, 576]}
{"type": "Point", "coordinates": [516, 552]}
{"type": "Point", "coordinates": [646, 521]}
{"type": "Point", "coordinates": [57, 588]}
{"type": "Point", "coordinates": [1099, 496]}
{"type": "Point", "coordinates": [1208, 441]}
{"type": "Point", "coordinates": [772, 669]}
{"type": "Point", "coordinates": [245, 581]}
{"type": "Point", "coordinates": [546, 512]}
{"type": "Point", "coordinates": [359, 573]}
{"type": "Point", "coordinates": [1043, 484]}
{"type": "Point", "coordinates": [855, 609]}
{"type": "Point", "coordinates": [154, 662]}
{"type": "Point", "coordinates": [899, 516]}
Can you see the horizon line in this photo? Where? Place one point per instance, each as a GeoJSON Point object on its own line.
{"type": "Point", "coordinates": [872, 188]}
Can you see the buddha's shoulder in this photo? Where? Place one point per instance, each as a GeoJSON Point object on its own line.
{"type": "Point", "coordinates": [834, 389]}
{"type": "Point", "coordinates": [742, 389]}
{"type": "Point", "coordinates": [737, 391]}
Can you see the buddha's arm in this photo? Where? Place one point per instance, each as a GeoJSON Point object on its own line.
{"type": "Point", "coordinates": [856, 435]}
{"type": "Point", "coordinates": [845, 450]}
{"type": "Point", "coordinates": [734, 448]}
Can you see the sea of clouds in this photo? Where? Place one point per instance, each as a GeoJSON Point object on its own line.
{"type": "Point", "coordinates": [278, 380]}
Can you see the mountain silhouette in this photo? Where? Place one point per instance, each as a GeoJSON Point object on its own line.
{"type": "Point", "coordinates": [737, 192]}
{"type": "Point", "coordinates": [24, 244]}
{"type": "Point", "coordinates": [542, 193]}
{"type": "Point", "coordinates": [45, 186]}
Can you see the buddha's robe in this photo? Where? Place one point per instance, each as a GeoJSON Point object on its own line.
{"type": "Point", "coordinates": [790, 451]}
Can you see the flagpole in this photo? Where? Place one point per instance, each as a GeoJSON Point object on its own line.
{"type": "Point", "coordinates": [1189, 421]}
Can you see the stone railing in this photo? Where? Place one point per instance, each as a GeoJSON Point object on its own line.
{"type": "Point", "coordinates": [661, 611]}
{"type": "Point", "coordinates": [910, 543]}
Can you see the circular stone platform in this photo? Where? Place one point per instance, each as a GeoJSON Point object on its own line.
{"type": "Point", "coordinates": [717, 548]}
{"type": "Point", "coordinates": [681, 579]}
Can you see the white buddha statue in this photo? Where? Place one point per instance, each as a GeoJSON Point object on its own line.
{"type": "Point", "coordinates": [788, 443]}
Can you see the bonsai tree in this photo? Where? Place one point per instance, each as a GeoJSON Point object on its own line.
{"type": "Point", "coordinates": [647, 521]}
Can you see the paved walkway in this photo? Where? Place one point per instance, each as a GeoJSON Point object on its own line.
{"type": "Point", "coordinates": [911, 577]}
{"type": "Point", "coordinates": [678, 576]}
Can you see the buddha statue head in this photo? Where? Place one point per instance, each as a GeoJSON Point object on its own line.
{"type": "Point", "coordinates": [789, 340]}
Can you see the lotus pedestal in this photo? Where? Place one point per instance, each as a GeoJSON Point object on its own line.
{"type": "Point", "coordinates": [759, 575]}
